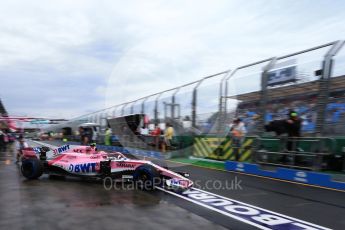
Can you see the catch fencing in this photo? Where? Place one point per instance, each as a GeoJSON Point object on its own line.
{"type": "Point", "coordinates": [311, 82]}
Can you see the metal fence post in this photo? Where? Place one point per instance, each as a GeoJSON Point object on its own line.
{"type": "Point", "coordinates": [156, 108]}
{"type": "Point", "coordinates": [132, 108]}
{"type": "Point", "coordinates": [324, 83]}
{"type": "Point", "coordinates": [194, 102]}
{"type": "Point", "coordinates": [114, 111]}
{"type": "Point", "coordinates": [226, 91]}
{"type": "Point", "coordinates": [222, 103]}
{"type": "Point", "coordinates": [263, 93]}
{"type": "Point", "coordinates": [173, 103]}
{"type": "Point", "coordinates": [123, 109]}
{"type": "Point", "coordinates": [143, 105]}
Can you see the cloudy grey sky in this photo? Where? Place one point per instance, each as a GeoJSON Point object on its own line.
{"type": "Point", "coordinates": [66, 58]}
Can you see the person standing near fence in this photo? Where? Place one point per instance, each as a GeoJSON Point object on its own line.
{"type": "Point", "coordinates": [293, 127]}
{"type": "Point", "coordinates": [107, 137]}
{"type": "Point", "coordinates": [20, 145]}
{"type": "Point", "coordinates": [156, 135]}
{"type": "Point", "coordinates": [168, 136]}
{"type": "Point", "coordinates": [81, 134]}
{"type": "Point", "coordinates": [238, 132]}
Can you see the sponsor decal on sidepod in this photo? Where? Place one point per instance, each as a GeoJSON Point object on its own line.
{"type": "Point", "coordinates": [82, 168]}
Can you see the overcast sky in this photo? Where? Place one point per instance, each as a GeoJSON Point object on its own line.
{"type": "Point", "coordinates": [67, 58]}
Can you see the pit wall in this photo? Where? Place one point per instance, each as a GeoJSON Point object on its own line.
{"type": "Point", "coordinates": [220, 148]}
{"type": "Point", "coordinates": [300, 176]}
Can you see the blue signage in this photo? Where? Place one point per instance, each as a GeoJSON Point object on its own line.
{"type": "Point", "coordinates": [314, 178]}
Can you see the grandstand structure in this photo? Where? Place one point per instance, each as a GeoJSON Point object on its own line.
{"type": "Point", "coordinates": [301, 98]}
{"type": "Point", "coordinates": [295, 91]}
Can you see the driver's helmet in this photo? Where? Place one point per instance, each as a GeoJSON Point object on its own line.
{"type": "Point", "coordinates": [93, 146]}
{"type": "Point", "coordinates": [91, 149]}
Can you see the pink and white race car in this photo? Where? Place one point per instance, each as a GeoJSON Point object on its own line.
{"type": "Point", "coordinates": [86, 161]}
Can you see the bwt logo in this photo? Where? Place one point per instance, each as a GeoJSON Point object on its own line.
{"type": "Point", "coordinates": [82, 168]}
{"type": "Point", "coordinates": [240, 167]}
{"type": "Point", "coordinates": [301, 174]}
{"type": "Point", "coordinates": [301, 177]}
{"type": "Point", "coordinates": [61, 149]}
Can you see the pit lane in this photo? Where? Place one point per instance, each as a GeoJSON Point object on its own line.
{"type": "Point", "coordinates": [75, 203]}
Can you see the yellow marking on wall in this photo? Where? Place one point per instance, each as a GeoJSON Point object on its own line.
{"type": "Point", "coordinates": [208, 147]}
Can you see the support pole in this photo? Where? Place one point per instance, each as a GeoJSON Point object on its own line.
{"type": "Point", "coordinates": [324, 83]}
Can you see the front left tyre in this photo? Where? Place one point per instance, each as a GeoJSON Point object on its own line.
{"type": "Point", "coordinates": [146, 177]}
{"type": "Point", "coordinates": [32, 168]}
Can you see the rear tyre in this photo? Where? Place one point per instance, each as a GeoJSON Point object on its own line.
{"type": "Point", "coordinates": [146, 177]}
{"type": "Point", "coordinates": [32, 168]}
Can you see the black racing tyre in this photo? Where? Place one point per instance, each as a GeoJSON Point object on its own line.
{"type": "Point", "coordinates": [146, 177]}
{"type": "Point", "coordinates": [32, 168]}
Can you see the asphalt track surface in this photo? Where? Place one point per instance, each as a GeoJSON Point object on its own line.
{"type": "Point", "coordinates": [79, 204]}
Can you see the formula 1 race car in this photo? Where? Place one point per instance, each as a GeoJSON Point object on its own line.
{"type": "Point", "coordinates": [86, 161]}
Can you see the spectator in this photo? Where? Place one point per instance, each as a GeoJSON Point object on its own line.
{"type": "Point", "coordinates": [168, 136]}
{"type": "Point", "coordinates": [144, 130]}
{"type": "Point", "coordinates": [107, 137]}
{"type": "Point", "coordinates": [82, 135]}
{"type": "Point", "coordinates": [156, 133]}
{"type": "Point", "coordinates": [87, 136]}
{"type": "Point", "coordinates": [293, 128]}
{"type": "Point", "coordinates": [20, 145]}
{"type": "Point", "coordinates": [238, 132]}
